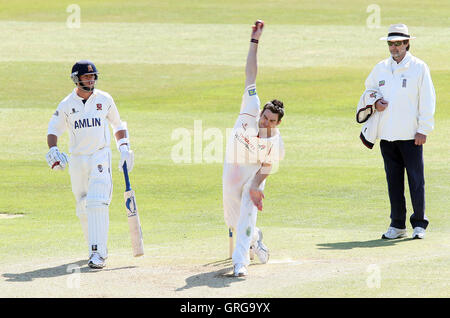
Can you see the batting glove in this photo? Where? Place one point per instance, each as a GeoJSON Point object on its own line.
{"type": "Point", "coordinates": [55, 159]}
{"type": "Point", "coordinates": [126, 155]}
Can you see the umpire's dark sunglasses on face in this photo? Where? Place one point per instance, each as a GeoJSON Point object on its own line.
{"type": "Point", "coordinates": [397, 43]}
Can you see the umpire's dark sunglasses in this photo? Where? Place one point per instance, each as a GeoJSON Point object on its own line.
{"type": "Point", "coordinates": [397, 43]}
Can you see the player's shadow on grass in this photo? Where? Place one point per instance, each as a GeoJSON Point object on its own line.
{"type": "Point", "coordinates": [361, 244]}
{"type": "Point", "coordinates": [216, 279]}
{"type": "Point", "coordinates": [61, 270]}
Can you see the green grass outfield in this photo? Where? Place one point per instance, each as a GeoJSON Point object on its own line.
{"type": "Point", "coordinates": [172, 63]}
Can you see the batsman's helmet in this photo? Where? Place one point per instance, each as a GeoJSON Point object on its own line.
{"type": "Point", "coordinates": [80, 68]}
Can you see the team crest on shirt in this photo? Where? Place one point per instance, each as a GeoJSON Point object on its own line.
{"type": "Point", "coordinates": [381, 83]}
{"type": "Point", "coordinates": [252, 92]}
{"type": "Point", "coordinates": [100, 168]}
{"type": "Point", "coordinates": [99, 106]}
{"type": "Point", "coordinates": [404, 82]}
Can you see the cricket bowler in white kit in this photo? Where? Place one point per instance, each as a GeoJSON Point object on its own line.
{"type": "Point", "coordinates": [253, 151]}
{"type": "Point", "coordinates": [85, 113]}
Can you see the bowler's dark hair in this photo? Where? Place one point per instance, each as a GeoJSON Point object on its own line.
{"type": "Point", "coordinates": [275, 106]}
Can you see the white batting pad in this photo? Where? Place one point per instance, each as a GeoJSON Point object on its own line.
{"type": "Point", "coordinates": [99, 193]}
{"type": "Point", "coordinates": [84, 226]}
{"type": "Point", "coordinates": [98, 225]}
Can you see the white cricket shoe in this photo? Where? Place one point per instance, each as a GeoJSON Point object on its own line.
{"type": "Point", "coordinates": [240, 270]}
{"type": "Point", "coordinates": [394, 233]}
{"type": "Point", "coordinates": [260, 249]}
{"type": "Point", "coordinates": [96, 261]}
{"type": "Point", "coordinates": [419, 233]}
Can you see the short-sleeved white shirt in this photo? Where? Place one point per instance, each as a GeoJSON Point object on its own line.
{"type": "Point", "coordinates": [87, 123]}
{"type": "Point", "coordinates": [244, 145]}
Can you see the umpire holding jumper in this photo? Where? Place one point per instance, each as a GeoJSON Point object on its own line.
{"type": "Point", "coordinates": [406, 106]}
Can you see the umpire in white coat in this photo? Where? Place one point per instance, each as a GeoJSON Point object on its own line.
{"type": "Point", "coordinates": [405, 106]}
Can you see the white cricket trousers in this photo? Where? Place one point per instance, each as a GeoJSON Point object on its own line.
{"type": "Point", "coordinates": [92, 187]}
{"type": "Point", "coordinates": [239, 211]}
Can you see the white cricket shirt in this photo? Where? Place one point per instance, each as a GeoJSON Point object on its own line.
{"type": "Point", "coordinates": [244, 146]}
{"type": "Point", "coordinates": [408, 88]}
{"type": "Point", "coordinates": [87, 123]}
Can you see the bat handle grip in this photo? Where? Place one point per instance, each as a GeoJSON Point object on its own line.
{"type": "Point", "coordinates": [127, 179]}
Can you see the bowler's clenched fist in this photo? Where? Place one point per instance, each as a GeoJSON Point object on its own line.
{"type": "Point", "coordinates": [257, 29]}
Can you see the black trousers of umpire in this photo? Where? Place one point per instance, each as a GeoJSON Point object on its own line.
{"type": "Point", "coordinates": [398, 156]}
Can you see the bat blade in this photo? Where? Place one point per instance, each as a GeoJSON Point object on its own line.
{"type": "Point", "coordinates": [134, 223]}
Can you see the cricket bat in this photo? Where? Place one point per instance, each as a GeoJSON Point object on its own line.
{"type": "Point", "coordinates": [137, 241]}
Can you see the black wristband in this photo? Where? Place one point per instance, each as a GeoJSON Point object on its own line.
{"type": "Point", "coordinates": [254, 40]}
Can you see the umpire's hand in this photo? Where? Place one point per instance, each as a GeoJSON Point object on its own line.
{"type": "Point", "coordinates": [420, 139]}
{"type": "Point", "coordinates": [381, 105]}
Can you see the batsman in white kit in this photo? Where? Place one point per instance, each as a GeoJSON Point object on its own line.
{"type": "Point", "coordinates": [253, 151]}
{"type": "Point", "coordinates": [86, 113]}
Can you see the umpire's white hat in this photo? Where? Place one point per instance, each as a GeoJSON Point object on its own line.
{"type": "Point", "coordinates": [397, 32]}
